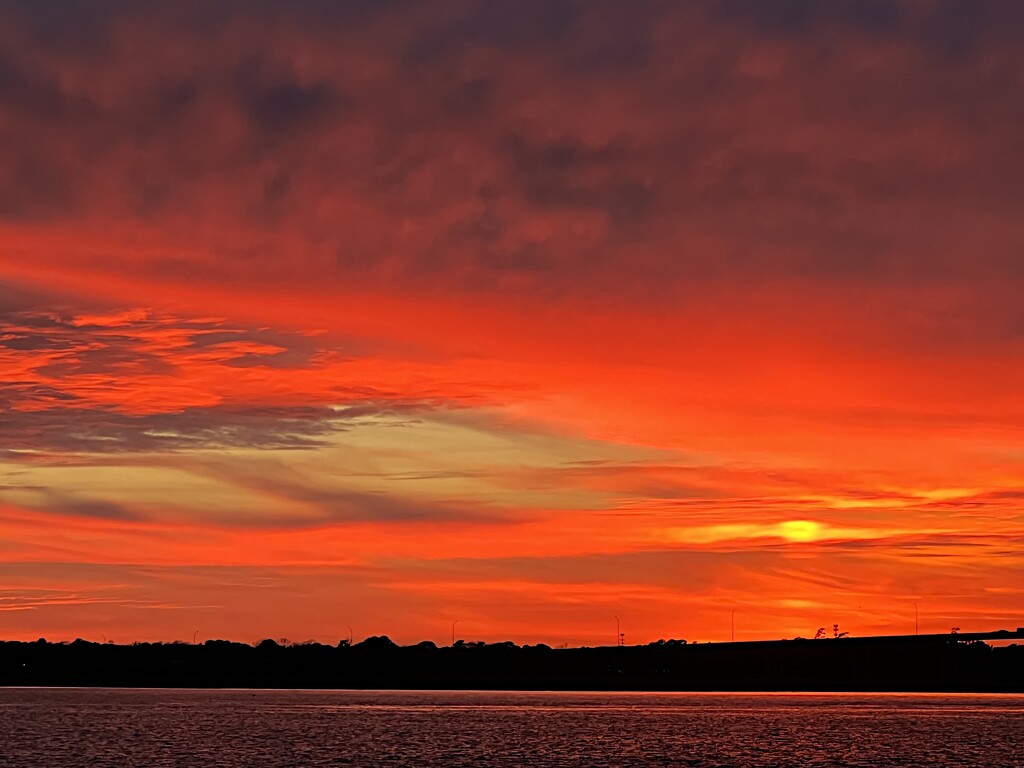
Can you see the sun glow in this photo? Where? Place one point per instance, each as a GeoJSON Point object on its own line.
{"type": "Point", "coordinates": [801, 530]}
{"type": "Point", "coordinates": [791, 531]}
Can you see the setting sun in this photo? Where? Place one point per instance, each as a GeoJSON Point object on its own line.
{"type": "Point", "coordinates": [802, 530]}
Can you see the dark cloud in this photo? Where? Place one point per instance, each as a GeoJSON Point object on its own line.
{"type": "Point", "coordinates": [277, 101]}
{"type": "Point", "coordinates": [547, 147]}
{"type": "Point", "coordinates": [33, 94]}
{"type": "Point", "coordinates": [66, 504]}
{"type": "Point", "coordinates": [567, 172]}
{"type": "Point", "coordinates": [71, 373]}
{"type": "Point", "coordinates": [73, 430]}
{"type": "Point", "coordinates": [528, 24]}
{"type": "Point", "coordinates": [799, 16]}
{"type": "Point", "coordinates": [65, 428]}
{"type": "Point", "coordinates": [81, 350]}
{"type": "Point", "coordinates": [325, 504]}
{"type": "Point", "coordinates": [293, 350]}
{"type": "Point", "coordinates": [33, 187]}
{"type": "Point", "coordinates": [13, 392]}
{"type": "Point", "coordinates": [946, 29]}
{"type": "Point", "coordinates": [79, 26]}
{"type": "Point", "coordinates": [141, 344]}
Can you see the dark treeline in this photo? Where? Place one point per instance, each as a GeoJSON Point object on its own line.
{"type": "Point", "coordinates": [902, 663]}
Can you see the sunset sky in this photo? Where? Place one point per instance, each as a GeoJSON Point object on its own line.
{"type": "Point", "coordinates": [375, 315]}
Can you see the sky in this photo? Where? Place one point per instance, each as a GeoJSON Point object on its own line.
{"type": "Point", "coordinates": [329, 319]}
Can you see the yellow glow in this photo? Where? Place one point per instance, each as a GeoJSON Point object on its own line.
{"type": "Point", "coordinates": [796, 531]}
{"type": "Point", "coordinates": [801, 530]}
{"type": "Point", "coordinates": [897, 498]}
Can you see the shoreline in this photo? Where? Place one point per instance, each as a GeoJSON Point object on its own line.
{"type": "Point", "coordinates": [888, 664]}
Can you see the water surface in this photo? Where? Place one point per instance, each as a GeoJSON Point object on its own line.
{"type": "Point", "coordinates": [108, 728]}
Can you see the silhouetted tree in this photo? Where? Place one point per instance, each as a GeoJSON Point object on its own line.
{"type": "Point", "coordinates": [375, 643]}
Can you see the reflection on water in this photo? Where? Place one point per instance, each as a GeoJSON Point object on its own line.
{"type": "Point", "coordinates": [271, 729]}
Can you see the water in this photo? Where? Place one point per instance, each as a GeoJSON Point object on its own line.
{"type": "Point", "coordinates": [108, 728]}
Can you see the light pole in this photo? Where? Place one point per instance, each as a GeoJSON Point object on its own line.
{"type": "Point", "coordinates": [453, 631]}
